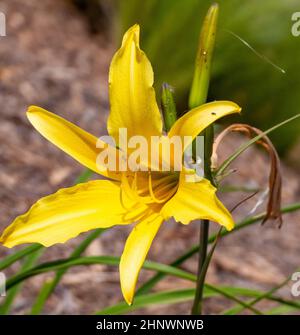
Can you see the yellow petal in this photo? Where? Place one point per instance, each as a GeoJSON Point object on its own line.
{"type": "Point", "coordinates": [197, 200]}
{"type": "Point", "coordinates": [76, 142]}
{"type": "Point", "coordinates": [136, 248]}
{"type": "Point", "coordinates": [132, 97]}
{"type": "Point", "coordinates": [196, 120]}
{"type": "Point", "coordinates": [67, 213]}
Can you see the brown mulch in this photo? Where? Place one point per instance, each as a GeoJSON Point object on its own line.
{"type": "Point", "coordinates": [49, 58]}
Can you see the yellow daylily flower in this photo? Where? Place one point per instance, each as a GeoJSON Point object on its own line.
{"type": "Point", "coordinates": [145, 198]}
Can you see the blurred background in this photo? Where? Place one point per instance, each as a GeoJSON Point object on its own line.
{"type": "Point", "coordinates": [56, 54]}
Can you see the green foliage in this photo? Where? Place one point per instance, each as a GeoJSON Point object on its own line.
{"type": "Point", "coordinates": [143, 298]}
{"type": "Point", "coordinates": [170, 32]}
{"type": "Point", "coordinates": [178, 296]}
{"type": "Point", "coordinates": [248, 78]}
{"type": "Point", "coordinates": [49, 286]}
{"type": "Point", "coordinates": [27, 264]}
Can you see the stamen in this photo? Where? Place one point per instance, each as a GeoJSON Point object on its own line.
{"type": "Point", "coordinates": [168, 185]}
{"type": "Point", "coordinates": [169, 195]}
{"type": "Point", "coordinates": [133, 191]}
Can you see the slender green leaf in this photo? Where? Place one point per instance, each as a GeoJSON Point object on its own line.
{"type": "Point", "coordinates": [167, 297]}
{"type": "Point", "coordinates": [49, 286]}
{"type": "Point", "coordinates": [108, 260]}
{"type": "Point", "coordinates": [279, 310]}
{"type": "Point", "coordinates": [236, 188]}
{"type": "Point", "coordinates": [246, 145]}
{"type": "Point", "coordinates": [146, 287]}
{"type": "Point", "coordinates": [265, 295]}
{"type": "Point", "coordinates": [12, 258]}
{"type": "Point", "coordinates": [111, 260]}
{"type": "Point", "coordinates": [178, 296]}
{"type": "Point", "coordinates": [84, 176]}
{"type": "Point", "coordinates": [28, 263]}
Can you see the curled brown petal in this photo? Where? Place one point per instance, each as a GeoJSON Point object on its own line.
{"type": "Point", "coordinates": [275, 179]}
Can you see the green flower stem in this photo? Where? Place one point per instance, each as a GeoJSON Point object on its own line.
{"type": "Point", "coordinates": [204, 231]}
{"type": "Point", "coordinates": [198, 96]}
{"type": "Point", "coordinates": [204, 227]}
